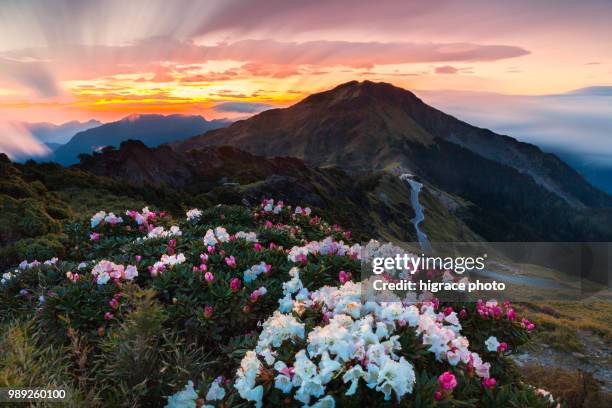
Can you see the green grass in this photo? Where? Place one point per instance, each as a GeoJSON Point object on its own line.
{"type": "Point", "coordinates": [559, 322]}
{"type": "Point", "coordinates": [25, 363]}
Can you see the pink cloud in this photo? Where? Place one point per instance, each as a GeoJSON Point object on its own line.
{"type": "Point", "coordinates": [446, 69]}
{"type": "Point", "coordinates": [30, 74]}
{"type": "Point", "coordinates": [275, 58]}
{"type": "Point", "coordinates": [449, 69]}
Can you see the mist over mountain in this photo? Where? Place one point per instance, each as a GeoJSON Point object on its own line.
{"type": "Point", "coordinates": [574, 125]}
{"type": "Point", "coordinates": [151, 129]}
{"type": "Point", "coordinates": [361, 126]}
{"type": "Point", "coordinates": [59, 134]}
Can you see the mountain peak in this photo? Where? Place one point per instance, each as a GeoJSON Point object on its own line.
{"type": "Point", "coordinates": [132, 117]}
{"type": "Point", "coordinates": [375, 125]}
{"type": "Point", "coordinates": [380, 91]}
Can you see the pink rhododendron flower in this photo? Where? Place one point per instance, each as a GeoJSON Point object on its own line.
{"type": "Point", "coordinates": [204, 257]}
{"type": "Point", "coordinates": [235, 284]}
{"type": "Point", "coordinates": [230, 261]}
{"type": "Point", "coordinates": [113, 303]}
{"type": "Point", "coordinates": [489, 382]}
{"type": "Point", "coordinates": [108, 316]}
{"type": "Point", "coordinates": [257, 293]}
{"type": "Point", "coordinates": [203, 267]}
{"type": "Point", "coordinates": [435, 302]}
{"type": "Point", "coordinates": [257, 247]}
{"type": "Point", "coordinates": [208, 311]}
{"type": "Point", "coordinates": [138, 258]}
{"type": "Point", "coordinates": [301, 258]}
{"type": "Point", "coordinates": [528, 325]}
{"type": "Point", "coordinates": [438, 395]}
{"type": "Point", "coordinates": [209, 277]}
{"type": "Point", "coordinates": [211, 249]}
{"type": "Point", "coordinates": [344, 277]}
{"type": "Point", "coordinates": [94, 236]}
{"type": "Point", "coordinates": [511, 314]}
{"type": "Point", "coordinates": [503, 346]}
{"type": "Point", "coordinates": [172, 243]}
{"type": "Point", "coordinates": [447, 381]}
{"type": "Point", "coordinates": [72, 276]}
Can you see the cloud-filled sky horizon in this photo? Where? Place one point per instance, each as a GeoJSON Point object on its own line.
{"type": "Point", "coordinates": [64, 60]}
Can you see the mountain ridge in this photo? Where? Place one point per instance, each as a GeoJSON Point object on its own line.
{"type": "Point", "coordinates": [152, 129]}
{"type": "Point", "coordinates": [384, 108]}
{"type": "Point", "coordinates": [227, 174]}
{"type": "Point", "coordinates": [363, 126]}
{"type": "Point", "coordinates": [50, 133]}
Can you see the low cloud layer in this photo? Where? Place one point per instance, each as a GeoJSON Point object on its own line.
{"type": "Point", "coordinates": [580, 121]}
{"type": "Point", "coordinates": [18, 143]}
{"type": "Point", "coordinates": [577, 125]}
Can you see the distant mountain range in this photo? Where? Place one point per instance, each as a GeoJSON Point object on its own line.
{"type": "Point", "coordinates": [514, 190]}
{"type": "Point", "coordinates": [58, 134]}
{"type": "Point", "coordinates": [152, 130]}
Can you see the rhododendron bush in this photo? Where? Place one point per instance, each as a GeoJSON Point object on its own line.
{"type": "Point", "coordinates": [259, 307]}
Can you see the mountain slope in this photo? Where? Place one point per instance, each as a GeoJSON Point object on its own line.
{"type": "Point", "coordinates": [153, 130]}
{"type": "Point", "coordinates": [228, 175]}
{"type": "Point", "coordinates": [372, 125]}
{"type": "Point", "coordinates": [516, 191]}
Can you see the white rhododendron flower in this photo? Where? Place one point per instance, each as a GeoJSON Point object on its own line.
{"type": "Point", "coordinates": [492, 344]}
{"type": "Point", "coordinates": [105, 270]}
{"type": "Point", "coordinates": [7, 276]}
{"type": "Point", "coordinates": [277, 329]}
{"type": "Point", "coordinates": [220, 234]}
{"type": "Point", "coordinates": [215, 392]}
{"type": "Point", "coordinates": [326, 247]}
{"type": "Point", "coordinates": [357, 342]}
{"type": "Point", "coordinates": [183, 399]}
{"type": "Point", "coordinates": [97, 219]}
{"type": "Point", "coordinates": [254, 271]}
{"type": "Point", "coordinates": [193, 214]}
{"type": "Point", "coordinates": [160, 232]}
{"type": "Point", "coordinates": [209, 238]}
{"type": "Point", "coordinates": [245, 379]}
{"type": "Point", "coordinates": [51, 261]}
{"type": "Point", "coordinates": [166, 261]}
{"type": "Point", "coordinates": [109, 218]}
{"type": "Point", "coordinates": [247, 236]}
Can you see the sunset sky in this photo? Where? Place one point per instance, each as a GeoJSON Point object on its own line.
{"type": "Point", "coordinates": [66, 60]}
